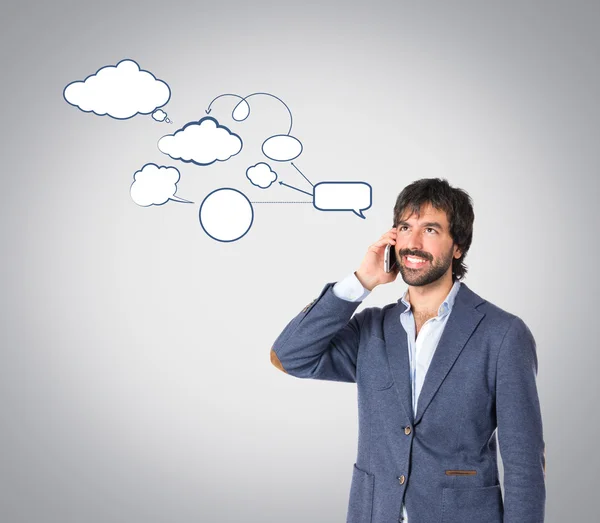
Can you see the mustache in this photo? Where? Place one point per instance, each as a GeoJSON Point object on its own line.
{"type": "Point", "coordinates": [417, 254]}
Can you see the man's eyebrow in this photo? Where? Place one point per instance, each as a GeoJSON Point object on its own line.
{"type": "Point", "coordinates": [427, 224]}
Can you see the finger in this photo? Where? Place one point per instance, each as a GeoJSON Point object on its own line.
{"type": "Point", "coordinates": [378, 247]}
{"type": "Point", "coordinates": [385, 240]}
{"type": "Point", "coordinates": [388, 236]}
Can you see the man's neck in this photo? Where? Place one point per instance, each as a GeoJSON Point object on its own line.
{"type": "Point", "coordinates": [426, 300]}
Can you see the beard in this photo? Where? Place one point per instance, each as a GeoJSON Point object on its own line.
{"type": "Point", "coordinates": [430, 272]}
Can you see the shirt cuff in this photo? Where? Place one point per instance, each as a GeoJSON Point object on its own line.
{"type": "Point", "coordinates": [350, 289]}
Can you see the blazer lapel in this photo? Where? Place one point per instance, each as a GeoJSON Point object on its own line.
{"type": "Point", "coordinates": [396, 346]}
{"type": "Point", "coordinates": [463, 320]}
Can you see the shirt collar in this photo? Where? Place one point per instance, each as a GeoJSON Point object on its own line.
{"type": "Point", "coordinates": [445, 307]}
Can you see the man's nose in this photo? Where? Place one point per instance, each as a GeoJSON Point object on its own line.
{"type": "Point", "coordinates": [414, 241]}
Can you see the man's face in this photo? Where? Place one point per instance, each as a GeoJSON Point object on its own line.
{"type": "Point", "coordinates": [427, 239]}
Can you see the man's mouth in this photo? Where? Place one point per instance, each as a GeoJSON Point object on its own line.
{"type": "Point", "coordinates": [414, 262]}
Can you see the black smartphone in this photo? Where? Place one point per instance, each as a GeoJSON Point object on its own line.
{"type": "Point", "coordinates": [389, 258]}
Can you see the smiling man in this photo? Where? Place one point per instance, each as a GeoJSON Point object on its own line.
{"type": "Point", "coordinates": [442, 376]}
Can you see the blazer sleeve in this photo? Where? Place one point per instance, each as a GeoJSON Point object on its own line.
{"type": "Point", "coordinates": [520, 432]}
{"type": "Point", "coordinates": [322, 341]}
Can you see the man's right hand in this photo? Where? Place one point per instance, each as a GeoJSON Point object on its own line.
{"type": "Point", "coordinates": [371, 272]}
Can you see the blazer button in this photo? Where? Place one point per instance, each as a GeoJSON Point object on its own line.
{"type": "Point", "coordinates": [402, 479]}
{"type": "Point", "coordinates": [407, 430]}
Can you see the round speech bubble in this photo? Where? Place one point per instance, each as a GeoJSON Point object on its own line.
{"type": "Point", "coordinates": [226, 214]}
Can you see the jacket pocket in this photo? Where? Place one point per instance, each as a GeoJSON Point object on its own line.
{"type": "Point", "coordinates": [472, 505]}
{"type": "Point", "coordinates": [360, 505]}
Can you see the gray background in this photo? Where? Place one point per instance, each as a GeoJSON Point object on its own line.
{"type": "Point", "coordinates": [135, 382]}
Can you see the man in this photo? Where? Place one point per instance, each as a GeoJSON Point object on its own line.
{"type": "Point", "coordinates": [440, 375]}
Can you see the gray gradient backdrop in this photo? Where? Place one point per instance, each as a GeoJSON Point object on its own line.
{"type": "Point", "coordinates": [135, 382]}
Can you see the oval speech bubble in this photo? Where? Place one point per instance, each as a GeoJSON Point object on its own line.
{"type": "Point", "coordinates": [282, 148]}
{"type": "Point", "coordinates": [343, 196]}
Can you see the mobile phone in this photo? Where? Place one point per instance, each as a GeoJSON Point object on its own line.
{"type": "Point", "coordinates": [389, 258]}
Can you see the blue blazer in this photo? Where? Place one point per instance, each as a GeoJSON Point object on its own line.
{"type": "Point", "coordinates": [480, 388]}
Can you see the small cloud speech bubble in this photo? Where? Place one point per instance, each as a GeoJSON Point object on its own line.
{"type": "Point", "coordinates": [261, 175]}
{"type": "Point", "coordinates": [160, 116]}
{"type": "Point", "coordinates": [343, 196]}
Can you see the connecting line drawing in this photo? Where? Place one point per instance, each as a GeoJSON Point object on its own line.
{"type": "Point", "coordinates": [242, 110]}
{"type": "Point", "coordinates": [295, 188]}
{"type": "Point", "coordinates": [292, 164]}
{"type": "Point", "coordinates": [336, 196]}
{"type": "Point", "coordinates": [278, 147]}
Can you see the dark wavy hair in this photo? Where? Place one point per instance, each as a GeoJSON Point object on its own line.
{"type": "Point", "coordinates": [455, 202]}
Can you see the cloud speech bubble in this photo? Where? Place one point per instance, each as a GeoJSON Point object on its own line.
{"type": "Point", "coordinates": [154, 185]}
{"type": "Point", "coordinates": [161, 116]}
{"type": "Point", "coordinates": [203, 142]}
{"type": "Point", "coordinates": [120, 91]}
{"type": "Point", "coordinates": [261, 175]}
{"type": "Point", "coordinates": [343, 196]}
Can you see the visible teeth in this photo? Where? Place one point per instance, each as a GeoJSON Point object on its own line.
{"type": "Point", "coordinates": [415, 260]}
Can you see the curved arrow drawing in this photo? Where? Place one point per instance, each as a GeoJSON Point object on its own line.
{"type": "Point", "coordinates": [243, 99]}
{"type": "Point", "coordinates": [209, 109]}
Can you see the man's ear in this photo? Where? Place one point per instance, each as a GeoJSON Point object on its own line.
{"type": "Point", "coordinates": [457, 251]}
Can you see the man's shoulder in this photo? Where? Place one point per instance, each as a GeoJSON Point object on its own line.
{"type": "Point", "coordinates": [498, 320]}
{"type": "Point", "coordinates": [489, 308]}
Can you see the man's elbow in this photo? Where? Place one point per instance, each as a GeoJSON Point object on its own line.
{"type": "Point", "coordinates": [275, 361]}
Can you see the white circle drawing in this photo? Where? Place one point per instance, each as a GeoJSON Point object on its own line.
{"type": "Point", "coordinates": [226, 214]}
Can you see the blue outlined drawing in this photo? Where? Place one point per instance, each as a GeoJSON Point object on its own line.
{"type": "Point", "coordinates": [279, 147]}
{"type": "Point", "coordinates": [261, 175]}
{"type": "Point", "coordinates": [343, 196]}
{"type": "Point", "coordinates": [160, 116]}
{"type": "Point", "coordinates": [240, 112]}
{"type": "Point", "coordinates": [336, 196]}
{"type": "Point", "coordinates": [203, 142]}
{"type": "Point", "coordinates": [302, 174]}
{"type": "Point", "coordinates": [226, 214]}
{"type": "Point", "coordinates": [282, 148]}
{"type": "Point", "coordinates": [120, 91]}
{"type": "Point", "coordinates": [154, 185]}
{"type": "Point", "coordinates": [295, 188]}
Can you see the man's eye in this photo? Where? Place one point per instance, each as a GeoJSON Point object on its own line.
{"type": "Point", "coordinates": [430, 229]}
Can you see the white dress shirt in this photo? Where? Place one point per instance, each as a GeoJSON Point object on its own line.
{"type": "Point", "coordinates": [420, 348]}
